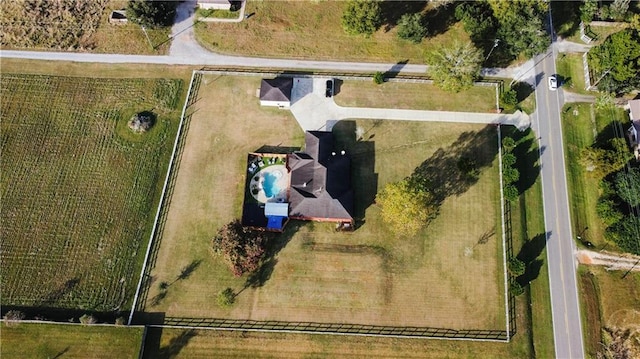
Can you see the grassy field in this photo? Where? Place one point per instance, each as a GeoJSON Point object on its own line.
{"type": "Point", "coordinates": [609, 301]}
{"type": "Point", "coordinates": [582, 124]}
{"type": "Point", "coordinates": [80, 186]}
{"type": "Point", "coordinates": [313, 30]}
{"type": "Point", "coordinates": [368, 276]}
{"type": "Point", "coordinates": [84, 27]}
{"type": "Point", "coordinates": [416, 96]}
{"type": "Point", "coordinates": [27, 340]}
{"type": "Point", "coordinates": [571, 73]}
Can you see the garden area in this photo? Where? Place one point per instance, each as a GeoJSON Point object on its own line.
{"type": "Point", "coordinates": [313, 273]}
{"type": "Point", "coordinates": [80, 185]}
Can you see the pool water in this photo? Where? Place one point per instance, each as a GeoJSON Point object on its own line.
{"type": "Point", "coordinates": [270, 184]}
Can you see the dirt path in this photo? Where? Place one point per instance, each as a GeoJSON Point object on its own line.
{"type": "Point", "coordinates": [612, 261]}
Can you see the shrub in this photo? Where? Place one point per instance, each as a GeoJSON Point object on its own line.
{"type": "Point", "coordinates": [516, 267]}
{"type": "Point", "coordinates": [508, 159]}
{"type": "Point", "coordinates": [88, 319]}
{"type": "Point", "coordinates": [508, 144]}
{"type": "Point", "coordinates": [510, 175]}
{"type": "Point", "coordinates": [509, 98]}
{"type": "Point", "coordinates": [411, 27]}
{"type": "Point", "coordinates": [516, 288]}
{"type": "Point", "coordinates": [242, 248]}
{"type": "Point", "coordinates": [378, 78]}
{"type": "Point", "coordinates": [120, 321]}
{"type": "Point", "coordinates": [13, 317]}
{"type": "Point", "coordinates": [511, 193]}
{"type": "Point", "coordinates": [226, 298]}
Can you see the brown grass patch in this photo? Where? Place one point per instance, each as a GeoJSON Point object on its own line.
{"type": "Point", "coordinates": [368, 276]}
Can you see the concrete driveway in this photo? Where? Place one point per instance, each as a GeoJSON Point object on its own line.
{"type": "Point", "coordinates": [314, 111]}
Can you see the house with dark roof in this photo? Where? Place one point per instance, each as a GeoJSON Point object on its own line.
{"type": "Point", "coordinates": [320, 184]}
{"type": "Point", "coordinates": [634, 131]}
{"type": "Point", "coordinates": [276, 92]}
{"type": "Point", "coordinates": [314, 185]}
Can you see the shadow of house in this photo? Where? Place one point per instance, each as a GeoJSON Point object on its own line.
{"type": "Point", "coordinates": [392, 11]}
{"type": "Point", "coordinates": [633, 133]}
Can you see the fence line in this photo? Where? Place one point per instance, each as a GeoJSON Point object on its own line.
{"type": "Point", "coordinates": [335, 329]}
{"type": "Point", "coordinates": [587, 73]}
{"type": "Point", "coordinates": [160, 204]}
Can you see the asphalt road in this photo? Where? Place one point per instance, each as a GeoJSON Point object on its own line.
{"type": "Point", "coordinates": [567, 326]}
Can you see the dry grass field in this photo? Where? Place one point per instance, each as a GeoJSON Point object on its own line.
{"type": "Point", "coordinates": [313, 30]}
{"type": "Point", "coordinates": [79, 186]}
{"type": "Point", "coordinates": [412, 96]}
{"type": "Point", "coordinates": [440, 278]}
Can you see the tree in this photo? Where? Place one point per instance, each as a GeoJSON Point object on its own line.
{"type": "Point", "coordinates": [226, 298]}
{"type": "Point", "coordinates": [618, 10]}
{"type": "Point", "coordinates": [626, 234]}
{"type": "Point", "coordinates": [152, 13]}
{"type": "Point", "coordinates": [242, 248]}
{"type": "Point", "coordinates": [510, 174]}
{"type": "Point", "coordinates": [516, 267]}
{"type": "Point", "coordinates": [628, 186]}
{"type": "Point", "coordinates": [405, 208]}
{"type": "Point", "coordinates": [508, 159]}
{"type": "Point", "coordinates": [618, 60]}
{"type": "Point", "coordinates": [511, 192]}
{"type": "Point", "coordinates": [521, 26]}
{"type": "Point", "coordinates": [516, 288]}
{"type": "Point", "coordinates": [588, 10]}
{"type": "Point", "coordinates": [508, 144]}
{"type": "Point", "coordinates": [601, 162]}
{"type": "Point", "coordinates": [411, 27]}
{"type": "Point", "coordinates": [361, 17]}
{"type": "Point", "coordinates": [455, 68]}
{"type": "Point", "coordinates": [509, 98]}
{"type": "Point", "coordinates": [477, 19]}
{"type": "Point", "coordinates": [378, 78]}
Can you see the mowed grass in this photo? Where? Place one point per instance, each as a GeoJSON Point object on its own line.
{"type": "Point", "coordinates": [581, 125]}
{"type": "Point", "coordinates": [609, 301]}
{"type": "Point", "coordinates": [440, 278]}
{"type": "Point", "coordinates": [30, 340]}
{"type": "Point", "coordinates": [571, 70]}
{"type": "Point", "coordinates": [78, 187]}
{"type": "Point", "coordinates": [415, 96]}
{"type": "Point", "coordinates": [313, 30]}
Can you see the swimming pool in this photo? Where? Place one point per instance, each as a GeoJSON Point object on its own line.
{"type": "Point", "coordinates": [270, 184]}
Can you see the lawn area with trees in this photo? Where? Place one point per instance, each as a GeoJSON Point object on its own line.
{"type": "Point", "coordinates": [368, 275]}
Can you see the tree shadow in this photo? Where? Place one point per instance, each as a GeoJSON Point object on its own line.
{"type": "Point", "coordinates": [522, 89]}
{"type": "Point", "coordinates": [440, 172]}
{"type": "Point", "coordinates": [532, 248]}
{"type": "Point", "coordinates": [274, 245]}
{"type": "Point", "coordinates": [186, 271]}
{"type": "Point", "coordinates": [392, 11]}
{"type": "Point", "coordinates": [394, 70]}
{"type": "Point", "coordinates": [531, 272]}
{"type": "Point", "coordinates": [527, 157]}
{"type": "Point", "coordinates": [439, 19]}
{"type": "Point", "coordinates": [176, 344]}
{"type": "Point", "coordinates": [566, 17]}
{"type": "Point", "coordinates": [362, 151]}
{"type": "Point", "coordinates": [605, 135]}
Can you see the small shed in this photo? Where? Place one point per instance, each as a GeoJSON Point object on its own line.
{"type": "Point", "coordinates": [118, 17]}
{"type": "Point", "coordinates": [214, 4]}
{"type": "Point", "coordinates": [277, 215]}
{"type": "Point", "coordinates": [276, 92]}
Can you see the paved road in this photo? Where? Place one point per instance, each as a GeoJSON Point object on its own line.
{"type": "Point", "coordinates": [567, 326]}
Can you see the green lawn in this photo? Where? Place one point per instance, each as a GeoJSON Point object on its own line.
{"type": "Point", "coordinates": [571, 72]}
{"type": "Point", "coordinates": [415, 96]}
{"type": "Point", "coordinates": [313, 30]}
{"type": "Point", "coordinates": [80, 186]}
{"type": "Point", "coordinates": [28, 340]}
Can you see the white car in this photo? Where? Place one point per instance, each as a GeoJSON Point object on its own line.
{"type": "Point", "coordinates": [553, 83]}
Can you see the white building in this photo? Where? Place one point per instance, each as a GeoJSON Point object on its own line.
{"type": "Point", "coordinates": [276, 92]}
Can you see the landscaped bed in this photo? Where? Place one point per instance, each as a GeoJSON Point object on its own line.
{"type": "Point", "coordinates": [444, 277]}
{"type": "Point", "coordinates": [78, 187]}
